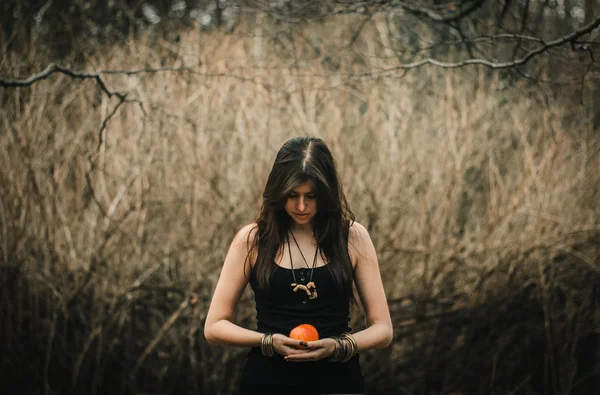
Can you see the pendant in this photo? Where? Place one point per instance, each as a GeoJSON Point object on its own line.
{"type": "Point", "coordinates": [310, 289]}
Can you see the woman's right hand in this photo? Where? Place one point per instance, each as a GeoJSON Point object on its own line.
{"type": "Point", "coordinates": [285, 346]}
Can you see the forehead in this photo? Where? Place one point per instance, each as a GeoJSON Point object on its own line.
{"type": "Point", "coordinates": [305, 187]}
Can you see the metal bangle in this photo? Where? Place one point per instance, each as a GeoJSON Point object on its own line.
{"type": "Point", "coordinates": [351, 348]}
{"type": "Point", "coordinates": [266, 345]}
{"type": "Point", "coordinates": [339, 350]}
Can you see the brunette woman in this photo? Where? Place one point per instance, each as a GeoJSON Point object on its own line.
{"type": "Point", "coordinates": [302, 256]}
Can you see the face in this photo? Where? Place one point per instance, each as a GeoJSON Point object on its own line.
{"type": "Point", "coordinates": [301, 204]}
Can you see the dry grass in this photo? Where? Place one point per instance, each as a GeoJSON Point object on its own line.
{"type": "Point", "coordinates": [478, 195]}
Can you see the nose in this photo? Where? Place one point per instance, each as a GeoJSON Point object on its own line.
{"type": "Point", "coordinates": [301, 204]}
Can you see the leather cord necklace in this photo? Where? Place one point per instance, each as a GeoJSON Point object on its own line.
{"type": "Point", "coordinates": [310, 288]}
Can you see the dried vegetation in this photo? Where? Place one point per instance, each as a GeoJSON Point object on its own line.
{"type": "Point", "coordinates": [481, 196]}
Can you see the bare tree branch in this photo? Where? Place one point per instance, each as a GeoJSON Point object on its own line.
{"type": "Point", "coordinates": [456, 13]}
{"type": "Point", "coordinates": [484, 38]}
{"type": "Point", "coordinates": [97, 76]}
{"type": "Point", "coordinates": [108, 117]}
{"type": "Point", "coordinates": [572, 38]}
{"type": "Point", "coordinates": [569, 38]}
{"type": "Point", "coordinates": [309, 11]}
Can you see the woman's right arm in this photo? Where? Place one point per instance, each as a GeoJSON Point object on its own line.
{"type": "Point", "coordinates": [219, 327]}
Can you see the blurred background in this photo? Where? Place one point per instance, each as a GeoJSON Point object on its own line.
{"type": "Point", "coordinates": [136, 137]}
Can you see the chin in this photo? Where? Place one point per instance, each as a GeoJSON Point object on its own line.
{"type": "Point", "coordinates": [303, 220]}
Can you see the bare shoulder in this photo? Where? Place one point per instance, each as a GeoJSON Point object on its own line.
{"type": "Point", "coordinates": [360, 245]}
{"type": "Point", "coordinates": [245, 236]}
{"type": "Point", "coordinates": [246, 231]}
{"type": "Point", "coordinates": [358, 233]}
{"type": "Point", "coordinates": [241, 250]}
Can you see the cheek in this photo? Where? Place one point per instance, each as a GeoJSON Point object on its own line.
{"type": "Point", "coordinates": [289, 205]}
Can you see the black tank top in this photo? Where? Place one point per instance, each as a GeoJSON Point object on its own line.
{"type": "Point", "coordinates": [278, 310]}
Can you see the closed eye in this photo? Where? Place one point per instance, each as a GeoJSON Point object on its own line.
{"type": "Point", "coordinates": [311, 196]}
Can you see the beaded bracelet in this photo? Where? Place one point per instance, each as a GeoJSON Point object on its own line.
{"type": "Point", "coordinates": [266, 345]}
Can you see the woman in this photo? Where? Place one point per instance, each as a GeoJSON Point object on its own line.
{"type": "Point", "coordinates": [301, 257]}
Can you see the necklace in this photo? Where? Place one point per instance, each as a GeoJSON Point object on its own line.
{"type": "Point", "coordinates": [310, 288]}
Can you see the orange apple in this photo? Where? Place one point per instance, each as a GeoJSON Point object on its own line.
{"type": "Point", "coordinates": [305, 332]}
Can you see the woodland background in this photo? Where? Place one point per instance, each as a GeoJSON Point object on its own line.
{"type": "Point", "coordinates": [136, 137]}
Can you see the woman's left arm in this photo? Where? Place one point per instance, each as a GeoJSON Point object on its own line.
{"type": "Point", "coordinates": [367, 277]}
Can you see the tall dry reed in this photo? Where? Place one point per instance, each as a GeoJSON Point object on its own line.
{"type": "Point", "coordinates": [481, 198]}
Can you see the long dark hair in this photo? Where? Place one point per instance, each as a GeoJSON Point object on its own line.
{"type": "Point", "coordinates": [301, 160]}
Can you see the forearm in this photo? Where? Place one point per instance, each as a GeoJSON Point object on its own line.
{"type": "Point", "coordinates": [377, 335]}
{"type": "Point", "coordinates": [226, 333]}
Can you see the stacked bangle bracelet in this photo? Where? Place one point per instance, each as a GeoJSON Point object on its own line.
{"type": "Point", "coordinates": [345, 348]}
{"type": "Point", "coordinates": [266, 345]}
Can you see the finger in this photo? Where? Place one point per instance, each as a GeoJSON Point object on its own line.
{"type": "Point", "coordinates": [304, 357]}
{"type": "Point", "coordinates": [298, 344]}
{"type": "Point", "coordinates": [286, 350]}
{"type": "Point", "coordinates": [292, 342]}
{"type": "Point", "coordinates": [315, 344]}
{"type": "Point", "coordinates": [293, 351]}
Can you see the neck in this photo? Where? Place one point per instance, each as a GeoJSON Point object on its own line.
{"type": "Point", "coordinates": [302, 229]}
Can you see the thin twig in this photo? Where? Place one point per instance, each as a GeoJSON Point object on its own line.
{"type": "Point", "coordinates": [107, 118]}
{"type": "Point", "coordinates": [82, 354]}
{"type": "Point", "coordinates": [184, 304]}
{"type": "Point", "coordinates": [439, 17]}
{"type": "Point", "coordinates": [47, 388]}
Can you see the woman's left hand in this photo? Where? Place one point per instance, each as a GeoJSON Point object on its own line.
{"type": "Point", "coordinates": [320, 349]}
